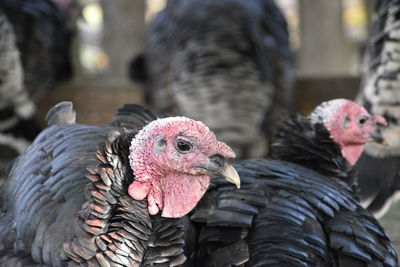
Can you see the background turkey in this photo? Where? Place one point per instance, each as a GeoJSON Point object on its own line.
{"type": "Point", "coordinates": [16, 106]}
{"type": "Point", "coordinates": [35, 54]}
{"type": "Point", "coordinates": [109, 195]}
{"type": "Point", "coordinates": [285, 214]}
{"type": "Point", "coordinates": [379, 167]}
{"type": "Point", "coordinates": [226, 63]}
{"type": "Point", "coordinates": [44, 35]}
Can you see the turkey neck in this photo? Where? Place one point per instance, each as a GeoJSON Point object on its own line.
{"type": "Point", "coordinates": [310, 145]}
{"type": "Point", "coordinates": [112, 226]}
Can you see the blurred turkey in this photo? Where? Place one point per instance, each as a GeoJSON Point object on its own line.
{"type": "Point", "coordinates": [44, 34]}
{"type": "Point", "coordinates": [226, 63]}
{"type": "Point", "coordinates": [286, 214]}
{"type": "Point", "coordinates": [107, 195]}
{"type": "Point", "coordinates": [379, 166]}
{"type": "Point", "coordinates": [16, 107]}
{"type": "Point", "coordinates": [34, 55]}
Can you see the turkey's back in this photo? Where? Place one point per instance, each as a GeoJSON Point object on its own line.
{"type": "Point", "coordinates": [44, 191]}
{"type": "Point", "coordinates": [287, 215]}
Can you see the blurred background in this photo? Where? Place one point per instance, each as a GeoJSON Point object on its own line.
{"type": "Point", "coordinates": [328, 39]}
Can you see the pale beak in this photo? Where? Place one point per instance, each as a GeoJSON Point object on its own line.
{"type": "Point", "coordinates": [231, 175]}
{"type": "Point", "coordinates": [378, 138]}
{"type": "Point", "coordinates": [217, 166]}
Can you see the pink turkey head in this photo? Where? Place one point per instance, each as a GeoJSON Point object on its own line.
{"type": "Point", "coordinates": [349, 125]}
{"type": "Point", "coordinates": [173, 159]}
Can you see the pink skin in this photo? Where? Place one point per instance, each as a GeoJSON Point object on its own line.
{"type": "Point", "coordinates": [347, 131]}
{"type": "Point", "coordinates": [167, 177]}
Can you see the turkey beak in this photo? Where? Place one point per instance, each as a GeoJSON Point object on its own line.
{"type": "Point", "coordinates": [218, 166]}
{"type": "Point", "coordinates": [231, 175]}
{"type": "Point", "coordinates": [377, 136]}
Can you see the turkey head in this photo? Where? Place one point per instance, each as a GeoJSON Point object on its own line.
{"type": "Point", "coordinates": [349, 125]}
{"type": "Point", "coordinates": [173, 160]}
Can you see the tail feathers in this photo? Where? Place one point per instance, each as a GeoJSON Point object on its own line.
{"type": "Point", "coordinates": [132, 116]}
{"type": "Point", "coordinates": [61, 114]}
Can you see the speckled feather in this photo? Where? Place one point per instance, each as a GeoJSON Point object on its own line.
{"type": "Point", "coordinates": [379, 166]}
{"type": "Point", "coordinates": [226, 63]}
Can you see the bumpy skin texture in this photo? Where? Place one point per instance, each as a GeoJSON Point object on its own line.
{"type": "Point", "coordinates": [226, 63]}
{"type": "Point", "coordinates": [350, 126]}
{"type": "Point", "coordinates": [166, 168]}
{"type": "Point", "coordinates": [379, 168]}
{"type": "Point", "coordinates": [299, 210]}
{"type": "Point", "coordinates": [71, 185]}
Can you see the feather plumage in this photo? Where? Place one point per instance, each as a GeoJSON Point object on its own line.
{"type": "Point", "coordinates": [285, 214]}
{"type": "Point", "coordinates": [71, 186]}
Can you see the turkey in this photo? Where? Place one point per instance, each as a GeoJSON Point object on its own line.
{"type": "Point", "coordinates": [34, 55]}
{"type": "Point", "coordinates": [286, 214]}
{"type": "Point", "coordinates": [44, 36]}
{"type": "Point", "coordinates": [226, 63]}
{"type": "Point", "coordinates": [379, 166]}
{"type": "Point", "coordinates": [16, 107]}
{"type": "Point", "coordinates": [113, 195]}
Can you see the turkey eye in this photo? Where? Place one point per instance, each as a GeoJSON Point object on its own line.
{"type": "Point", "coordinates": [183, 146]}
{"type": "Point", "coordinates": [362, 120]}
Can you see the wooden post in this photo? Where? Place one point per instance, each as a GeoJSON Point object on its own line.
{"type": "Point", "coordinates": [123, 35]}
{"type": "Point", "coordinates": [324, 50]}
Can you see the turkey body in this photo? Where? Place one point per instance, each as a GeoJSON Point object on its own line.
{"type": "Point", "coordinates": [379, 166]}
{"type": "Point", "coordinates": [226, 63]}
{"type": "Point", "coordinates": [64, 200]}
{"type": "Point", "coordinates": [285, 214]}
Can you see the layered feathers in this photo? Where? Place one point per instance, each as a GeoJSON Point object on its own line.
{"type": "Point", "coordinates": [71, 185]}
{"type": "Point", "coordinates": [285, 214]}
